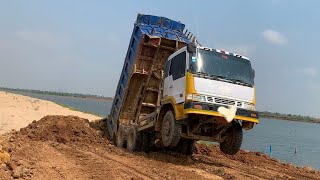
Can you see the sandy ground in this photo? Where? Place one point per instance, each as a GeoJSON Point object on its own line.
{"type": "Point", "coordinates": [17, 111]}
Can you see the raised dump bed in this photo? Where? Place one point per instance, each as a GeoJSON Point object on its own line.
{"type": "Point", "coordinates": [138, 95]}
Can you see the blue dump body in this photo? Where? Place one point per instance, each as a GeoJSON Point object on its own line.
{"type": "Point", "coordinates": [151, 35]}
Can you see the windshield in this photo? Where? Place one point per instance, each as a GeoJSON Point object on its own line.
{"type": "Point", "coordinates": [222, 66]}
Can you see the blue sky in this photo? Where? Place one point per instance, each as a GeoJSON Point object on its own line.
{"type": "Point", "coordinates": [79, 46]}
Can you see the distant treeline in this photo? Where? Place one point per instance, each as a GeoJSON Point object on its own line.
{"type": "Point", "coordinates": [78, 95]}
{"type": "Point", "coordinates": [289, 117]}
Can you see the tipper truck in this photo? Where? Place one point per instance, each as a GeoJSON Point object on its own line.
{"type": "Point", "coordinates": [173, 92]}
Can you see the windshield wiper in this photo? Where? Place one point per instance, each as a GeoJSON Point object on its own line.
{"type": "Point", "coordinates": [202, 73]}
{"type": "Point", "coordinates": [222, 78]}
{"type": "Point", "coordinates": [241, 82]}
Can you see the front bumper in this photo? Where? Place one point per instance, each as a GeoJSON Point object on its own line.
{"type": "Point", "coordinates": [212, 110]}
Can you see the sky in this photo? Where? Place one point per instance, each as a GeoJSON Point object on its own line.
{"type": "Point", "coordinates": [79, 45]}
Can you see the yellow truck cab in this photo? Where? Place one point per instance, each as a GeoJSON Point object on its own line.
{"type": "Point", "coordinates": [210, 93]}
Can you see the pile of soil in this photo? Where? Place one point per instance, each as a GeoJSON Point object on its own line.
{"type": "Point", "coordinates": [69, 147]}
{"type": "Point", "coordinates": [62, 129]}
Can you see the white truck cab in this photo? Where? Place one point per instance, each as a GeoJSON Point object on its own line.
{"type": "Point", "coordinates": [211, 94]}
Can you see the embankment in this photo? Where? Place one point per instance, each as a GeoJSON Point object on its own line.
{"type": "Point", "coordinates": [69, 147]}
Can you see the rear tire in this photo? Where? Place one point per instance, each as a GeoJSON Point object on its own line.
{"type": "Point", "coordinates": [134, 139]}
{"type": "Point", "coordinates": [145, 141]}
{"type": "Point", "coordinates": [170, 130]}
{"type": "Point", "coordinates": [232, 144]}
{"type": "Point", "coordinates": [121, 137]}
{"type": "Point", "coordinates": [186, 146]}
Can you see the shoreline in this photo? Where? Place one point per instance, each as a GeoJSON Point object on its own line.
{"type": "Point", "coordinates": [263, 114]}
{"type": "Point", "coordinates": [63, 94]}
{"type": "Point", "coordinates": [282, 119]}
{"type": "Point", "coordinates": [17, 111]}
{"type": "Point", "coordinates": [75, 109]}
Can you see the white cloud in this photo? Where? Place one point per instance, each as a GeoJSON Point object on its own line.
{"type": "Point", "coordinates": [274, 37]}
{"type": "Point", "coordinates": [309, 71]}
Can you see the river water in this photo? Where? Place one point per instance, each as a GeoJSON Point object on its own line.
{"type": "Point", "coordinates": [293, 142]}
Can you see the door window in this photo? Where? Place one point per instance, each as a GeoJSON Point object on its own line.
{"type": "Point", "coordinates": [178, 66]}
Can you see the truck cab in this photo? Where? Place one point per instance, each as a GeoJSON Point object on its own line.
{"type": "Point", "coordinates": [210, 93]}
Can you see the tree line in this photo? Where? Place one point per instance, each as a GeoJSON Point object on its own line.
{"type": "Point", "coordinates": [78, 95]}
{"type": "Point", "coordinates": [291, 117]}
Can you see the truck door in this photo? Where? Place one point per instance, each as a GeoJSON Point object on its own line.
{"type": "Point", "coordinates": [168, 82]}
{"type": "Point", "coordinates": [176, 81]}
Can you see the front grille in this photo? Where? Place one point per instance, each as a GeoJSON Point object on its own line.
{"type": "Point", "coordinates": [239, 104]}
{"type": "Point", "coordinates": [224, 101]}
{"type": "Point", "coordinates": [210, 99]}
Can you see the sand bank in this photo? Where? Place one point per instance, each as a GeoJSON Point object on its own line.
{"type": "Point", "coordinates": [17, 111]}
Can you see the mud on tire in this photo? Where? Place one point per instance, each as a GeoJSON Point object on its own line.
{"type": "Point", "coordinates": [234, 135]}
{"type": "Point", "coordinates": [145, 141]}
{"type": "Point", "coordinates": [134, 139]}
{"type": "Point", "coordinates": [170, 130]}
{"type": "Point", "coordinates": [186, 146]}
{"type": "Point", "coordinates": [121, 137]}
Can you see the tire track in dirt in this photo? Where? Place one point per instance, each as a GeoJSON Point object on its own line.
{"type": "Point", "coordinates": [68, 147]}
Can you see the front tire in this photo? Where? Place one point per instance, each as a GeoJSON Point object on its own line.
{"type": "Point", "coordinates": [232, 143]}
{"type": "Point", "coordinates": [170, 130]}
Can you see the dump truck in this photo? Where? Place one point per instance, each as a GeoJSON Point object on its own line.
{"type": "Point", "coordinates": [173, 92]}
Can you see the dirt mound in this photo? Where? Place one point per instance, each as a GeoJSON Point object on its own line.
{"type": "Point", "coordinates": [62, 129]}
{"type": "Point", "coordinates": [69, 147]}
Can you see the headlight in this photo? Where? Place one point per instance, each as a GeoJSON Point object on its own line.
{"type": "Point", "coordinates": [249, 106]}
{"type": "Point", "coordinates": [195, 97]}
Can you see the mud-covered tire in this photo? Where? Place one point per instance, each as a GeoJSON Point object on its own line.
{"type": "Point", "coordinates": [232, 143]}
{"type": "Point", "coordinates": [191, 148]}
{"type": "Point", "coordinates": [145, 141]}
{"type": "Point", "coordinates": [121, 137]}
{"type": "Point", "coordinates": [134, 139]}
{"type": "Point", "coordinates": [186, 146]}
{"type": "Point", "coordinates": [170, 130]}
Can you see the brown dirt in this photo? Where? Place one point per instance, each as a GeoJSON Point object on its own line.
{"type": "Point", "coordinates": [69, 147]}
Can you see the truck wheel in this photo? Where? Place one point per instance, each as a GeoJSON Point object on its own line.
{"type": "Point", "coordinates": [134, 139]}
{"type": "Point", "coordinates": [121, 137]}
{"type": "Point", "coordinates": [170, 130]}
{"type": "Point", "coordinates": [187, 146]}
{"type": "Point", "coordinates": [234, 135]}
{"type": "Point", "coordinates": [191, 147]}
{"type": "Point", "coordinates": [145, 141]}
